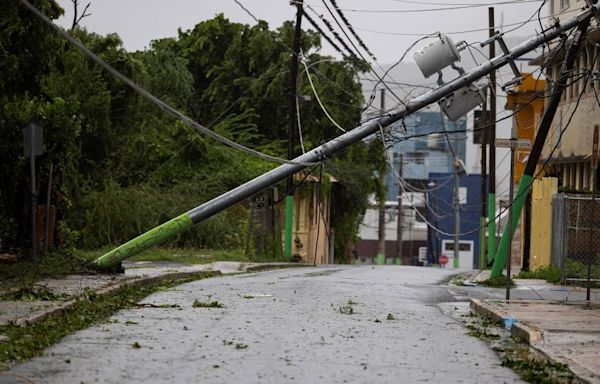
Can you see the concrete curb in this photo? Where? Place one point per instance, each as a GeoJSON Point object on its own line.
{"type": "Point", "coordinates": [534, 337]}
{"type": "Point", "coordinates": [133, 282]}
{"type": "Point", "coordinates": [141, 281]}
{"type": "Point", "coordinates": [267, 267]}
{"type": "Point", "coordinates": [518, 330]}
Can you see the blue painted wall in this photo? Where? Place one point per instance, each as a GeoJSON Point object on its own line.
{"type": "Point", "coordinates": [441, 212]}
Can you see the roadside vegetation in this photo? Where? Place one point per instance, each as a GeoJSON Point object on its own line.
{"type": "Point", "coordinates": [519, 356]}
{"type": "Point", "coordinates": [573, 269]}
{"type": "Point", "coordinates": [120, 166]}
{"type": "Point", "coordinates": [20, 343]}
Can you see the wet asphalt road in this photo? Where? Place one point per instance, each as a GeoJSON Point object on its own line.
{"type": "Point", "coordinates": [284, 326]}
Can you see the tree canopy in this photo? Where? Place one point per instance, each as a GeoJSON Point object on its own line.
{"type": "Point", "coordinates": [122, 166]}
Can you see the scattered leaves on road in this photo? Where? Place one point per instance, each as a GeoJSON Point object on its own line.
{"type": "Point", "coordinates": [207, 304]}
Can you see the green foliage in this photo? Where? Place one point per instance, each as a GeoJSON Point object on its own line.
{"type": "Point", "coordinates": [579, 270]}
{"type": "Point", "coordinates": [53, 264]}
{"type": "Point", "coordinates": [356, 181]}
{"type": "Point", "coordinates": [547, 272]}
{"type": "Point", "coordinates": [117, 214]}
{"type": "Point", "coordinates": [122, 166]}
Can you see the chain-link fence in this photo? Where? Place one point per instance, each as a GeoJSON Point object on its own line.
{"type": "Point", "coordinates": [576, 237]}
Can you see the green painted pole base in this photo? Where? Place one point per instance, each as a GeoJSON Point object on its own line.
{"type": "Point", "coordinates": [145, 241]}
{"type": "Point", "coordinates": [289, 224]}
{"type": "Point", "coordinates": [520, 198]}
{"type": "Point", "coordinates": [380, 259]}
{"type": "Point", "coordinates": [491, 246]}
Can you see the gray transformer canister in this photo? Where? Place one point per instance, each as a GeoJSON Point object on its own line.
{"type": "Point", "coordinates": [436, 55]}
{"type": "Point", "coordinates": [459, 103]}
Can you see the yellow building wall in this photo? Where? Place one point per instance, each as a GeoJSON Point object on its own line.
{"type": "Point", "coordinates": [541, 221]}
{"type": "Point", "coordinates": [310, 227]}
{"type": "Point", "coordinates": [528, 110]}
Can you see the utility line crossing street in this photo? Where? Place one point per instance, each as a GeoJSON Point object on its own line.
{"type": "Point", "coordinates": [338, 324]}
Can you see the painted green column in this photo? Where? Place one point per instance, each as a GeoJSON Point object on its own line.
{"type": "Point", "coordinates": [482, 242]}
{"type": "Point", "coordinates": [491, 251]}
{"type": "Point", "coordinates": [521, 197]}
{"type": "Point", "coordinates": [289, 224]}
{"type": "Point", "coordinates": [145, 241]}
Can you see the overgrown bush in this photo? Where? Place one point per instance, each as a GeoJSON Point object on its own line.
{"type": "Point", "coordinates": [117, 214]}
{"type": "Point", "coordinates": [549, 273]}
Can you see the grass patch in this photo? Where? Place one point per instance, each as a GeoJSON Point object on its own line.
{"type": "Point", "coordinates": [548, 272]}
{"type": "Point", "coordinates": [32, 293]}
{"type": "Point", "coordinates": [23, 343]}
{"type": "Point", "coordinates": [188, 256]}
{"type": "Point", "coordinates": [497, 282]}
{"type": "Point", "coordinates": [54, 264]}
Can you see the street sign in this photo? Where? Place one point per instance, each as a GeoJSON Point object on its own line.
{"type": "Point", "coordinates": [443, 259]}
{"type": "Point", "coordinates": [33, 140]}
{"type": "Point", "coordinates": [513, 143]}
{"type": "Point", "coordinates": [595, 148]}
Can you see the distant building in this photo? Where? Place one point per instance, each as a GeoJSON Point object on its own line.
{"type": "Point", "coordinates": [442, 217]}
{"type": "Point", "coordinates": [420, 148]}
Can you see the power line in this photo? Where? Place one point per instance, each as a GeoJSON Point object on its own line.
{"type": "Point", "coordinates": [360, 54]}
{"type": "Point", "coordinates": [432, 9]}
{"type": "Point", "coordinates": [519, 23]}
{"type": "Point", "coordinates": [334, 32]}
{"type": "Point", "coordinates": [349, 26]}
{"type": "Point", "coordinates": [320, 31]}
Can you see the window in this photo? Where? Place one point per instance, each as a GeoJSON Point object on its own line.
{"type": "Point", "coordinates": [564, 4]}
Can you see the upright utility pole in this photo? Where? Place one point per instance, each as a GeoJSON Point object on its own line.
{"type": "Point", "coordinates": [456, 208]}
{"type": "Point", "coordinates": [491, 139]}
{"type": "Point", "coordinates": [292, 128]}
{"type": "Point", "coordinates": [381, 227]}
{"type": "Point", "coordinates": [400, 221]}
{"type": "Point", "coordinates": [483, 138]}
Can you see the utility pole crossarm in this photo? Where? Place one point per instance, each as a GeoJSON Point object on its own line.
{"type": "Point", "coordinates": [244, 191]}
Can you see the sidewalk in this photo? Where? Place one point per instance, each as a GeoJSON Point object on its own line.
{"type": "Point", "coordinates": [565, 332]}
{"type": "Point", "coordinates": [64, 292]}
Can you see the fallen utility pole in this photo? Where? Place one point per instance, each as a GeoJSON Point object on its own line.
{"type": "Point", "coordinates": [536, 151]}
{"type": "Point", "coordinates": [324, 151]}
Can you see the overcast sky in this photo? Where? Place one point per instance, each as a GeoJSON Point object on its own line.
{"type": "Point", "coordinates": [379, 23]}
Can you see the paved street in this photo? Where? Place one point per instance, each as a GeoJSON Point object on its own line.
{"type": "Point", "coordinates": [293, 325]}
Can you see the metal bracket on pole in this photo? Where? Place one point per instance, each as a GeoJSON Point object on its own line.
{"type": "Point", "coordinates": [590, 4]}
{"type": "Point", "coordinates": [518, 78]}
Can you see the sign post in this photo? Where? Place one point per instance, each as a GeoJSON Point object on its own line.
{"type": "Point", "coordinates": [33, 139]}
{"type": "Point", "coordinates": [591, 253]}
{"type": "Point", "coordinates": [511, 143]}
